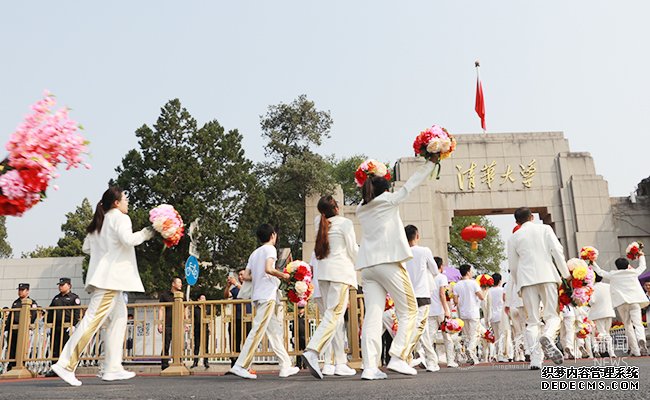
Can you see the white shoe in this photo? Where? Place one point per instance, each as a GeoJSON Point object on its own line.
{"type": "Point", "coordinates": [371, 374]}
{"type": "Point", "coordinates": [328, 370]}
{"type": "Point", "coordinates": [288, 371]}
{"type": "Point", "coordinates": [415, 362]}
{"type": "Point", "coordinates": [432, 367]}
{"type": "Point", "coordinates": [502, 359]}
{"type": "Point", "coordinates": [311, 360]}
{"type": "Point", "coordinates": [67, 376]}
{"type": "Point", "coordinates": [399, 365]}
{"type": "Point", "coordinates": [452, 365]}
{"type": "Point", "coordinates": [344, 370]}
{"type": "Point", "coordinates": [551, 350]}
{"type": "Point", "coordinates": [241, 372]}
{"type": "Point", "coordinates": [118, 376]}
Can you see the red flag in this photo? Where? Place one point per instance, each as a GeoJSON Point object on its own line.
{"type": "Point", "coordinates": [480, 102]}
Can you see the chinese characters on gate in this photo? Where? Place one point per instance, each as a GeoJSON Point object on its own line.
{"type": "Point", "coordinates": [491, 177]}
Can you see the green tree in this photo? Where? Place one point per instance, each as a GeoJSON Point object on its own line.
{"type": "Point", "coordinates": [294, 170]}
{"type": "Point", "coordinates": [204, 173]}
{"type": "Point", "coordinates": [74, 233]}
{"type": "Point", "coordinates": [343, 173]}
{"type": "Point", "coordinates": [5, 247]}
{"type": "Point", "coordinates": [490, 251]}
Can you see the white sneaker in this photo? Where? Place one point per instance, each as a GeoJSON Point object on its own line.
{"type": "Point", "coordinates": [399, 365]}
{"type": "Point", "coordinates": [452, 365]}
{"type": "Point", "coordinates": [288, 371]}
{"type": "Point", "coordinates": [432, 367]}
{"type": "Point", "coordinates": [415, 362]}
{"type": "Point", "coordinates": [311, 360]}
{"type": "Point", "coordinates": [118, 376]}
{"type": "Point", "coordinates": [551, 350]}
{"type": "Point", "coordinates": [328, 369]}
{"type": "Point", "coordinates": [502, 359]}
{"type": "Point", "coordinates": [241, 372]}
{"type": "Point", "coordinates": [344, 370]}
{"type": "Point", "coordinates": [371, 374]}
{"type": "Point", "coordinates": [67, 376]}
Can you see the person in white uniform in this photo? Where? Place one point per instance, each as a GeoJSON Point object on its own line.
{"type": "Point", "coordinates": [534, 252]}
{"type": "Point", "coordinates": [468, 296]}
{"type": "Point", "coordinates": [601, 312]}
{"type": "Point", "coordinates": [268, 309]}
{"type": "Point", "coordinates": [514, 308]}
{"type": "Point", "coordinates": [440, 310]}
{"type": "Point", "coordinates": [112, 270]}
{"type": "Point", "coordinates": [328, 357]}
{"type": "Point", "coordinates": [382, 254]}
{"type": "Point", "coordinates": [336, 250]}
{"type": "Point", "coordinates": [628, 298]}
{"type": "Point", "coordinates": [419, 268]}
{"type": "Point", "coordinates": [495, 297]}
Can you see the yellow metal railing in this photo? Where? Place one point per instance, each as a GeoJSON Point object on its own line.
{"type": "Point", "coordinates": [200, 330]}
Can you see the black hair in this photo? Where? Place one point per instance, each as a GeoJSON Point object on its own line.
{"type": "Point", "coordinates": [497, 278]}
{"type": "Point", "coordinates": [522, 215]}
{"type": "Point", "coordinates": [411, 232]}
{"type": "Point", "coordinates": [464, 269]}
{"type": "Point", "coordinates": [174, 278]}
{"type": "Point", "coordinates": [373, 187]}
{"type": "Point", "coordinates": [622, 263]}
{"type": "Point", "coordinates": [240, 269]}
{"type": "Point", "coordinates": [264, 232]}
{"type": "Point", "coordinates": [327, 208]}
{"type": "Point", "coordinates": [110, 196]}
{"type": "Point", "coordinates": [598, 277]}
{"type": "Point", "coordinates": [438, 261]}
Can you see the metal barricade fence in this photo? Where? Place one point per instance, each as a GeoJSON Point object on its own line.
{"type": "Point", "coordinates": [210, 329]}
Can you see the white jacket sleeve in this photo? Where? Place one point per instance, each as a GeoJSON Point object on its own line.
{"type": "Point", "coordinates": [86, 245]}
{"type": "Point", "coordinates": [431, 263]}
{"type": "Point", "coordinates": [639, 270]}
{"type": "Point", "coordinates": [600, 271]}
{"type": "Point", "coordinates": [414, 181]}
{"type": "Point", "coordinates": [351, 241]}
{"type": "Point", "coordinates": [513, 260]}
{"type": "Point", "coordinates": [127, 236]}
{"type": "Point", "coordinates": [557, 251]}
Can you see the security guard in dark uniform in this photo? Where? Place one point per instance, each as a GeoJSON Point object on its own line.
{"type": "Point", "coordinates": [63, 319]}
{"type": "Point", "coordinates": [12, 322]}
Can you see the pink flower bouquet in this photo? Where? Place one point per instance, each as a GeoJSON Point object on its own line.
{"type": "Point", "coordinates": [168, 222]}
{"type": "Point", "coordinates": [40, 143]}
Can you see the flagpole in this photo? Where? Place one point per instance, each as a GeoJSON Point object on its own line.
{"type": "Point", "coordinates": [477, 64]}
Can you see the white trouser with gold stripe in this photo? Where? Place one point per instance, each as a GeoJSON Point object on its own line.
{"type": "Point", "coordinates": [377, 281]}
{"type": "Point", "coordinates": [335, 297]}
{"type": "Point", "coordinates": [105, 306]}
{"type": "Point", "coordinates": [268, 319]}
{"type": "Point", "coordinates": [422, 337]}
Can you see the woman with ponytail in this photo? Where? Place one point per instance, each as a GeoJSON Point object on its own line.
{"type": "Point", "coordinates": [336, 251]}
{"type": "Point", "coordinates": [382, 254]}
{"type": "Point", "coordinates": [112, 270]}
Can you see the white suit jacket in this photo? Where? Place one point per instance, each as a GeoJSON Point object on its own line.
{"type": "Point", "coordinates": [112, 254]}
{"type": "Point", "coordinates": [624, 284]}
{"type": "Point", "coordinates": [383, 240]}
{"type": "Point", "coordinates": [531, 252]}
{"type": "Point", "coordinates": [601, 302]}
{"type": "Point", "coordinates": [338, 266]}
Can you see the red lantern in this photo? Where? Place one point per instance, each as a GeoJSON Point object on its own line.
{"type": "Point", "coordinates": [473, 234]}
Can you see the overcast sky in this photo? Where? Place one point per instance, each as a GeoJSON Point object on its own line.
{"type": "Point", "coordinates": [384, 69]}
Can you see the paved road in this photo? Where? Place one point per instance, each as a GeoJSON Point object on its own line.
{"type": "Point", "coordinates": [499, 381]}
